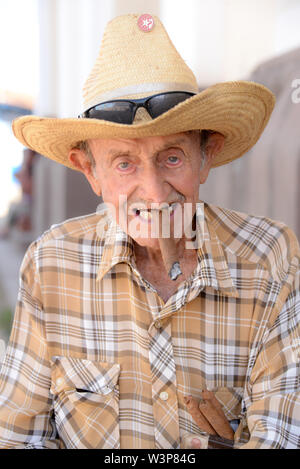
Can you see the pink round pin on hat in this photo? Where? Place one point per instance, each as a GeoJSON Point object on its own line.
{"type": "Point", "coordinates": [146, 22]}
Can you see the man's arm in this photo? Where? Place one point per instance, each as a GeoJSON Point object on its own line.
{"type": "Point", "coordinates": [25, 401]}
{"type": "Point", "coordinates": [273, 401]}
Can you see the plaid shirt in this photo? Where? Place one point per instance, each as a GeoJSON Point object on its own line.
{"type": "Point", "coordinates": [96, 359]}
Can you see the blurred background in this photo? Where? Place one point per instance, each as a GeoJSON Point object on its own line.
{"type": "Point", "coordinates": [47, 48]}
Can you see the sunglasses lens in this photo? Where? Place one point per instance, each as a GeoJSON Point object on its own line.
{"type": "Point", "coordinates": [120, 112]}
{"type": "Point", "coordinates": [162, 103]}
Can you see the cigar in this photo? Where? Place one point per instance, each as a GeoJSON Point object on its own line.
{"type": "Point", "coordinates": [193, 407]}
{"type": "Point", "coordinates": [209, 395]}
{"type": "Point", "coordinates": [168, 249]}
{"type": "Point", "coordinates": [217, 419]}
{"type": "Point", "coordinates": [209, 415]}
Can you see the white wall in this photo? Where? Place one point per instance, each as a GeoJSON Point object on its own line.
{"type": "Point", "coordinates": [197, 29]}
{"type": "Point", "coordinates": [226, 39]}
{"type": "Point", "coordinates": [70, 35]}
{"type": "Point", "coordinates": [287, 27]}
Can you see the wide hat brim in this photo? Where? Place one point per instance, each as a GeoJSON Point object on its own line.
{"type": "Point", "coordinates": [239, 110]}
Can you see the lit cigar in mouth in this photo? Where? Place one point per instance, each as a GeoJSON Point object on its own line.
{"type": "Point", "coordinates": [167, 245]}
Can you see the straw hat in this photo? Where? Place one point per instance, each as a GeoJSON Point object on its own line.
{"type": "Point", "coordinates": [134, 63]}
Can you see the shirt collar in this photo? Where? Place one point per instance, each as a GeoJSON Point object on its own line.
{"type": "Point", "coordinates": [212, 270]}
{"type": "Point", "coordinates": [117, 247]}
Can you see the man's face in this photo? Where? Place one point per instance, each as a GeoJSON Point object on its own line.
{"type": "Point", "coordinates": [147, 172]}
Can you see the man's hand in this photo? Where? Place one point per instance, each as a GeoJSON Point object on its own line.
{"type": "Point", "coordinates": [190, 441]}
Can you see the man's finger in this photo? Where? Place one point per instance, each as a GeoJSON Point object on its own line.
{"type": "Point", "coordinates": [196, 443]}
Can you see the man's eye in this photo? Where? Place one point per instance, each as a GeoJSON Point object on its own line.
{"type": "Point", "coordinates": [124, 165]}
{"type": "Point", "coordinates": [173, 160]}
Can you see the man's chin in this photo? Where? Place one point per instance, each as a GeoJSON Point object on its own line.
{"type": "Point", "coordinates": [149, 243]}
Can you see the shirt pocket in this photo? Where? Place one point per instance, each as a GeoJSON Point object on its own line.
{"type": "Point", "coordinates": [231, 400]}
{"type": "Point", "coordinates": [86, 402]}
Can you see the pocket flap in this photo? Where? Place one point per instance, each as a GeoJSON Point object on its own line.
{"type": "Point", "coordinates": [68, 372]}
{"type": "Point", "coordinates": [231, 401]}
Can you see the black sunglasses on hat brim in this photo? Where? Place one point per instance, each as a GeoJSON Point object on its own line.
{"type": "Point", "coordinates": [122, 111]}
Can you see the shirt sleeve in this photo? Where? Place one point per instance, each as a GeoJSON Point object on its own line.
{"type": "Point", "coordinates": [25, 401]}
{"type": "Point", "coordinates": [273, 403]}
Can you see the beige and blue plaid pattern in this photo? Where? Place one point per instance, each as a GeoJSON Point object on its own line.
{"type": "Point", "coordinates": [96, 359]}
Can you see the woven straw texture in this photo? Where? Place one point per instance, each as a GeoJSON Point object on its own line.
{"type": "Point", "coordinates": [131, 59]}
{"type": "Point", "coordinates": [129, 56]}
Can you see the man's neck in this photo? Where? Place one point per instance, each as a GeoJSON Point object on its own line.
{"type": "Point", "coordinates": [150, 265]}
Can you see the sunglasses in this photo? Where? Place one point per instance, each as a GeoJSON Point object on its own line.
{"type": "Point", "coordinates": [122, 111]}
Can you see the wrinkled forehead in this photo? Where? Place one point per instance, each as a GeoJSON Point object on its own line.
{"type": "Point", "coordinates": [153, 143]}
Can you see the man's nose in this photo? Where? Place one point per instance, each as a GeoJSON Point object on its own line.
{"type": "Point", "coordinates": [153, 186]}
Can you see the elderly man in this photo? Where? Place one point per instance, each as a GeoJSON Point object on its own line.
{"type": "Point", "coordinates": [112, 348]}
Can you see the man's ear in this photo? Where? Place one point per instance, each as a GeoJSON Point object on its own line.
{"type": "Point", "coordinates": [79, 159]}
{"type": "Point", "coordinates": [215, 144]}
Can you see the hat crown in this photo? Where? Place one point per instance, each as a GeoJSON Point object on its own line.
{"type": "Point", "coordinates": [133, 63]}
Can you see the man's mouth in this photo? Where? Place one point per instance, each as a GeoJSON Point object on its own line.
{"type": "Point", "coordinates": [148, 214]}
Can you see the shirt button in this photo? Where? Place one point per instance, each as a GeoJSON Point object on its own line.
{"type": "Point", "coordinates": [59, 381]}
{"type": "Point", "coordinates": [158, 324]}
{"type": "Point", "coordinates": [164, 396]}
